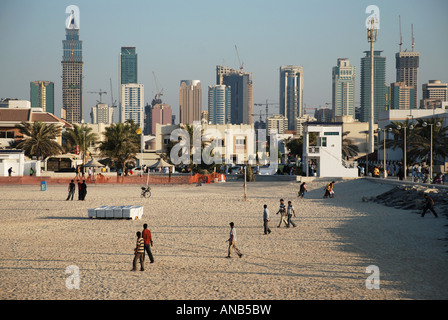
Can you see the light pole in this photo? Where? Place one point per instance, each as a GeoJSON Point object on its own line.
{"type": "Point", "coordinates": [384, 148]}
{"type": "Point", "coordinates": [425, 124]}
{"type": "Point", "coordinates": [372, 33]}
{"type": "Point", "coordinates": [405, 149]}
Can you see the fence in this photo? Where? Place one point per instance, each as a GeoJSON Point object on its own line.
{"type": "Point", "coordinates": [102, 179]}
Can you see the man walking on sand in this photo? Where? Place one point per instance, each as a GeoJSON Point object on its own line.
{"type": "Point", "coordinates": [282, 211]}
{"type": "Point", "coordinates": [147, 239]}
{"type": "Point", "coordinates": [71, 190]}
{"type": "Point", "coordinates": [232, 242]}
{"type": "Point", "coordinates": [266, 219]}
{"type": "Point", "coordinates": [429, 205]}
{"type": "Point", "coordinates": [290, 212]}
{"type": "Point", "coordinates": [139, 253]}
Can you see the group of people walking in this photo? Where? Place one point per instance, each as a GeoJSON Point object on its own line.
{"type": "Point", "coordinates": [286, 214]}
{"type": "Point", "coordinates": [82, 190]}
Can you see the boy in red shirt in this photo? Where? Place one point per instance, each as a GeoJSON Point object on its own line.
{"type": "Point", "coordinates": [148, 242]}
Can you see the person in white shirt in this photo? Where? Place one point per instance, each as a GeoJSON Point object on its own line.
{"type": "Point", "coordinates": [232, 242]}
{"type": "Point", "coordinates": [290, 212]}
{"type": "Point", "coordinates": [266, 219]}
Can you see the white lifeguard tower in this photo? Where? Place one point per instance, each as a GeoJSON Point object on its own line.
{"type": "Point", "coordinates": [322, 151]}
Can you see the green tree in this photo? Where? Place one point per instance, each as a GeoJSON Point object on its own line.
{"type": "Point", "coordinates": [39, 139]}
{"type": "Point", "coordinates": [81, 136]}
{"type": "Point", "coordinates": [420, 145]}
{"type": "Point", "coordinates": [121, 143]}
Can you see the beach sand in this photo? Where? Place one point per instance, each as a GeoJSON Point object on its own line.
{"type": "Point", "coordinates": [324, 257]}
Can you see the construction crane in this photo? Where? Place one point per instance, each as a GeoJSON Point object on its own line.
{"type": "Point", "coordinates": [157, 99]}
{"type": "Point", "coordinates": [238, 55]}
{"type": "Point", "coordinates": [413, 40]}
{"type": "Point", "coordinates": [267, 107]}
{"type": "Point", "coordinates": [114, 103]}
{"type": "Point", "coordinates": [100, 93]}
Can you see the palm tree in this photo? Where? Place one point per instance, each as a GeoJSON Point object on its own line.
{"type": "Point", "coordinates": [121, 144]}
{"type": "Point", "coordinates": [349, 150]}
{"type": "Point", "coordinates": [418, 139]}
{"type": "Point", "coordinates": [420, 145]}
{"type": "Point", "coordinates": [39, 139]}
{"type": "Point", "coordinates": [81, 136]}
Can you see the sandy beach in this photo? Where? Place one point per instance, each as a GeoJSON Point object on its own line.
{"type": "Point", "coordinates": [324, 257]}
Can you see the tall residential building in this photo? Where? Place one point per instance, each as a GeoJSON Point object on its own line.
{"type": "Point", "coordinates": [380, 87]}
{"type": "Point", "coordinates": [190, 101]}
{"type": "Point", "coordinates": [72, 64]}
{"type": "Point", "coordinates": [102, 113]}
{"type": "Point", "coordinates": [241, 86]}
{"type": "Point", "coordinates": [42, 95]}
{"type": "Point", "coordinates": [343, 89]}
{"type": "Point", "coordinates": [434, 93]}
{"type": "Point", "coordinates": [277, 122]}
{"type": "Point", "coordinates": [127, 72]}
{"type": "Point", "coordinates": [162, 114]}
{"type": "Point", "coordinates": [407, 64]}
{"type": "Point", "coordinates": [291, 94]}
{"type": "Point", "coordinates": [401, 96]}
{"type": "Point", "coordinates": [219, 104]}
{"type": "Point", "coordinates": [132, 105]}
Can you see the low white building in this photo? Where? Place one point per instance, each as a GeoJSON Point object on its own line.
{"type": "Point", "coordinates": [322, 151]}
{"type": "Point", "coordinates": [15, 159]}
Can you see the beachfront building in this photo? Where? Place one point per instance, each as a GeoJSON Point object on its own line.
{"type": "Point", "coordinates": [14, 112]}
{"type": "Point", "coordinates": [234, 143]}
{"type": "Point", "coordinates": [322, 151]}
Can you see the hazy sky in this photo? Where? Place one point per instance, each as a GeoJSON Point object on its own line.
{"type": "Point", "coordinates": [185, 40]}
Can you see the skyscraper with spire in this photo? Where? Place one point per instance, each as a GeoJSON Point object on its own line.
{"type": "Point", "coordinates": [72, 64]}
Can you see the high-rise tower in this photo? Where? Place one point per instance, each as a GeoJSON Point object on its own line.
{"type": "Point", "coordinates": [190, 101]}
{"type": "Point", "coordinates": [219, 104]}
{"type": "Point", "coordinates": [291, 94]}
{"type": "Point", "coordinates": [379, 86]}
{"type": "Point", "coordinates": [72, 64]}
{"type": "Point", "coordinates": [42, 95]}
{"type": "Point", "coordinates": [241, 86]}
{"type": "Point", "coordinates": [407, 63]}
{"type": "Point", "coordinates": [343, 93]}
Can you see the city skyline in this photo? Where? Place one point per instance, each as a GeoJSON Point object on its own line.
{"type": "Point", "coordinates": [256, 27]}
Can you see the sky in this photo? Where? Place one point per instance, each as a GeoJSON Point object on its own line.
{"type": "Point", "coordinates": [185, 40]}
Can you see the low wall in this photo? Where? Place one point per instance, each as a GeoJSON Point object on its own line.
{"type": "Point", "coordinates": [409, 183]}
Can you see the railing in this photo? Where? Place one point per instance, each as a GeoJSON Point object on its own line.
{"type": "Point", "coordinates": [313, 150]}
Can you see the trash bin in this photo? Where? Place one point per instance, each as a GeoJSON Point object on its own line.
{"type": "Point", "coordinates": [43, 186]}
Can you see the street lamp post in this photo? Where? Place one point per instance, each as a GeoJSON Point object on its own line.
{"type": "Point", "coordinates": [384, 148]}
{"type": "Point", "coordinates": [405, 149]}
{"type": "Point", "coordinates": [424, 124]}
